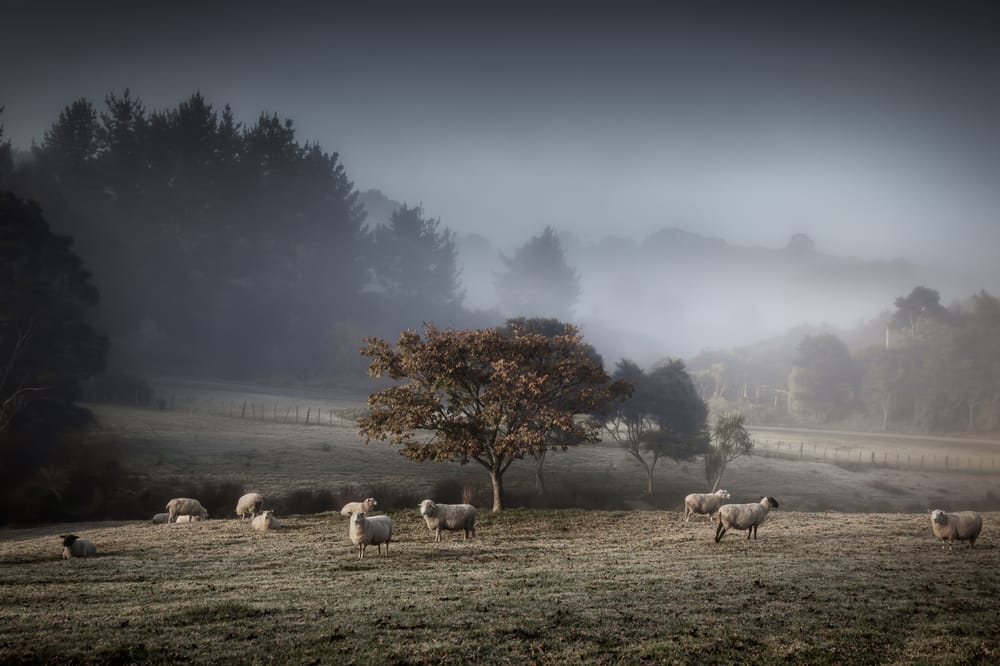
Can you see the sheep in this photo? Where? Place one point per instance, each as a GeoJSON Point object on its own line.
{"type": "Point", "coordinates": [372, 531]}
{"type": "Point", "coordinates": [704, 503]}
{"type": "Point", "coordinates": [743, 517]}
{"type": "Point", "coordinates": [182, 506]}
{"type": "Point", "coordinates": [265, 521]}
{"type": "Point", "coordinates": [960, 526]}
{"type": "Point", "coordinates": [452, 517]}
{"type": "Point", "coordinates": [250, 504]}
{"type": "Point", "coordinates": [74, 546]}
{"type": "Point", "coordinates": [161, 518]}
{"type": "Point", "coordinates": [366, 506]}
{"type": "Point", "coordinates": [188, 519]}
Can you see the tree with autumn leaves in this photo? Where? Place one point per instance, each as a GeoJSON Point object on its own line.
{"type": "Point", "coordinates": [488, 396]}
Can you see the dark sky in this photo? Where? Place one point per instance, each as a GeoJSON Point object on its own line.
{"type": "Point", "coordinates": [873, 130]}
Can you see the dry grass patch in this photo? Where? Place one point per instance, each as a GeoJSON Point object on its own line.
{"type": "Point", "coordinates": [542, 586]}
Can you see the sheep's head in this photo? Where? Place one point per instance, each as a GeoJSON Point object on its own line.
{"type": "Point", "coordinates": [357, 517]}
{"type": "Point", "coordinates": [427, 508]}
{"type": "Point", "coordinates": [938, 516]}
{"type": "Point", "coordinates": [370, 504]}
{"type": "Point", "coordinates": [773, 502]}
{"type": "Point", "coordinates": [724, 494]}
{"type": "Point", "coordinates": [68, 539]}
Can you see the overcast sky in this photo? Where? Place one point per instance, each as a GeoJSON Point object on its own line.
{"type": "Point", "coordinates": [877, 132]}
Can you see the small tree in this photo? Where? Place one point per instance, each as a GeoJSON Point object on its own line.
{"type": "Point", "coordinates": [731, 440]}
{"type": "Point", "coordinates": [483, 395]}
{"type": "Point", "coordinates": [664, 417]}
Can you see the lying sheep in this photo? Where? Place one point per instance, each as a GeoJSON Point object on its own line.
{"type": "Point", "coordinates": [249, 505]}
{"type": "Point", "coordinates": [161, 518]}
{"type": "Point", "coordinates": [372, 531]}
{"type": "Point", "coordinates": [183, 506]}
{"type": "Point", "coordinates": [452, 517]}
{"type": "Point", "coordinates": [366, 506]}
{"type": "Point", "coordinates": [74, 546]}
{"type": "Point", "coordinates": [704, 503]}
{"type": "Point", "coordinates": [265, 521]}
{"type": "Point", "coordinates": [188, 519]}
{"type": "Point", "coordinates": [743, 517]}
{"type": "Point", "coordinates": [960, 526]}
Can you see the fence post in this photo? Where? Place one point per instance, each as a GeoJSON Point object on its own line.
{"type": "Point", "coordinates": [243, 414]}
{"type": "Point", "coordinates": [801, 445]}
{"type": "Point", "coordinates": [308, 412]}
{"type": "Point", "coordinates": [946, 462]}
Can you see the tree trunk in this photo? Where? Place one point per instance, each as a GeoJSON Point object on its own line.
{"type": "Point", "coordinates": [497, 477]}
{"type": "Point", "coordinates": [540, 473]}
{"type": "Point", "coordinates": [649, 477]}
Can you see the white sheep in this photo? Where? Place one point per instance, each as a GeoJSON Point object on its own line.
{"type": "Point", "coordinates": [367, 506]}
{"type": "Point", "coordinates": [161, 518]}
{"type": "Point", "coordinates": [183, 506]}
{"type": "Point", "coordinates": [743, 517]}
{"type": "Point", "coordinates": [704, 503]}
{"type": "Point", "coordinates": [249, 505]}
{"type": "Point", "coordinates": [960, 526]}
{"type": "Point", "coordinates": [451, 517]}
{"type": "Point", "coordinates": [188, 519]}
{"type": "Point", "coordinates": [265, 521]}
{"type": "Point", "coordinates": [372, 531]}
{"type": "Point", "coordinates": [74, 546]}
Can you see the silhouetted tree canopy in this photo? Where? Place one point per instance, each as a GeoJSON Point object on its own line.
{"type": "Point", "coordinates": [824, 377]}
{"type": "Point", "coordinates": [664, 417]}
{"type": "Point", "coordinates": [538, 282]}
{"type": "Point", "coordinates": [219, 249]}
{"type": "Point", "coordinates": [47, 345]}
{"type": "Point", "coordinates": [415, 266]}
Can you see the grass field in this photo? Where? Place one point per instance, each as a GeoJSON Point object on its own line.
{"type": "Point", "coordinates": [533, 587]}
{"type": "Point", "coordinates": [846, 571]}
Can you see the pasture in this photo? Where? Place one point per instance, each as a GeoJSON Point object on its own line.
{"type": "Point", "coordinates": [533, 587]}
{"type": "Point", "coordinates": [845, 571]}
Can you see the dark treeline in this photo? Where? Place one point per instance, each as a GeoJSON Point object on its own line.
{"type": "Point", "coordinates": [920, 367]}
{"type": "Point", "coordinates": [230, 250]}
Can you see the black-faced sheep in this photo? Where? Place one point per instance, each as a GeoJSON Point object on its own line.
{"type": "Point", "coordinates": [743, 517]}
{"type": "Point", "coordinates": [265, 521]}
{"type": "Point", "coordinates": [183, 506]}
{"type": "Point", "coordinates": [704, 503]}
{"type": "Point", "coordinates": [372, 531]}
{"type": "Point", "coordinates": [960, 526]}
{"type": "Point", "coordinates": [451, 517]}
{"type": "Point", "coordinates": [366, 506]}
{"type": "Point", "coordinates": [161, 518]}
{"type": "Point", "coordinates": [74, 546]}
{"type": "Point", "coordinates": [249, 505]}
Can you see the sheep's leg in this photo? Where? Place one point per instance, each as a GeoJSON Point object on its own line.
{"type": "Point", "coordinates": [720, 532]}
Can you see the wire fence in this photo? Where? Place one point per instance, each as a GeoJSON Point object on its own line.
{"type": "Point", "coordinates": [881, 457]}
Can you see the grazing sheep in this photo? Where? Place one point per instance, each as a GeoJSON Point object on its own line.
{"type": "Point", "coordinates": [743, 517]}
{"type": "Point", "coordinates": [265, 521]}
{"type": "Point", "coordinates": [249, 505]}
{"type": "Point", "coordinates": [452, 517]}
{"type": "Point", "coordinates": [183, 506]}
{"type": "Point", "coordinates": [74, 546]}
{"type": "Point", "coordinates": [161, 518]}
{"type": "Point", "coordinates": [704, 503]}
{"type": "Point", "coordinates": [366, 506]}
{"type": "Point", "coordinates": [188, 519]}
{"type": "Point", "coordinates": [372, 531]}
{"type": "Point", "coordinates": [960, 526]}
